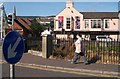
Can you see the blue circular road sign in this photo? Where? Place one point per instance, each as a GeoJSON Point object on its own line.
{"type": "Point", "coordinates": [13, 47]}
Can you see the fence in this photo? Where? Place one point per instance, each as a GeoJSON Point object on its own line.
{"type": "Point", "coordinates": [105, 52]}
{"type": "Point", "coordinates": [33, 44]}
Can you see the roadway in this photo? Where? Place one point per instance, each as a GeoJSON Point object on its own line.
{"type": "Point", "coordinates": [21, 71]}
{"type": "Point", "coordinates": [34, 72]}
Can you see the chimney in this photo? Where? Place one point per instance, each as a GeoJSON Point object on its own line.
{"type": "Point", "coordinates": [69, 4]}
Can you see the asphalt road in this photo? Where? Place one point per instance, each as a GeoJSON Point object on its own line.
{"type": "Point", "coordinates": [32, 72]}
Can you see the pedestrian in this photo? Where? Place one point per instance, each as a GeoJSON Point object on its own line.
{"type": "Point", "coordinates": [79, 50]}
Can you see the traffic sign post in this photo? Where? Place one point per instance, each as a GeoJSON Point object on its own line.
{"type": "Point", "coordinates": [13, 48]}
{"type": "Point", "coordinates": [12, 71]}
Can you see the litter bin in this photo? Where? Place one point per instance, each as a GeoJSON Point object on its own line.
{"type": "Point", "coordinates": [46, 46]}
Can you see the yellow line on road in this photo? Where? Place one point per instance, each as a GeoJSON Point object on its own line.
{"type": "Point", "coordinates": [2, 62]}
{"type": "Point", "coordinates": [58, 70]}
{"type": "Point", "coordinates": [64, 71]}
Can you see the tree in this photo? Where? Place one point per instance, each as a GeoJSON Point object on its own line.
{"type": "Point", "coordinates": [52, 24]}
{"type": "Point", "coordinates": [37, 28]}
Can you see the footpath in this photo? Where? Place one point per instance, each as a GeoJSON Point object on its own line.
{"type": "Point", "coordinates": [93, 69]}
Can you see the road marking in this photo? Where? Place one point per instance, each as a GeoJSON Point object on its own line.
{"type": "Point", "coordinates": [64, 71]}
{"type": "Point", "coordinates": [2, 62]}
{"type": "Point", "coordinates": [34, 66]}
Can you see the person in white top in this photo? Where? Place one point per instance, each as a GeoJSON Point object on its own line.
{"type": "Point", "coordinates": [79, 50]}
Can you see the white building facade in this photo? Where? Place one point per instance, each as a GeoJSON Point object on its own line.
{"type": "Point", "coordinates": [98, 23]}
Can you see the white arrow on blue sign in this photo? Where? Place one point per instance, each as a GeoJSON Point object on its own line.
{"type": "Point", "coordinates": [13, 47]}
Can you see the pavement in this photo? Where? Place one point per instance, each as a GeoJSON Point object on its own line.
{"type": "Point", "coordinates": [61, 65]}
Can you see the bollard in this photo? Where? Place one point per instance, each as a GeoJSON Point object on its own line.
{"type": "Point", "coordinates": [46, 46]}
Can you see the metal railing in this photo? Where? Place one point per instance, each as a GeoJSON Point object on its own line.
{"type": "Point", "coordinates": [105, 52]}
{"type": "Point", "coordinates": [33, 44]}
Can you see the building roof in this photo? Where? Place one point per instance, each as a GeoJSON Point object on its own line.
{"type": "Point", "coordinates": [16, 25]}
{"type": "Point", "coordinates": [19, 24]}
{"type": "Point", "coordinates": [100, 15]}
{"type": "Point", "coordinates": [24, 24]}
{"type": "Point", "coordinates": [27, 21]}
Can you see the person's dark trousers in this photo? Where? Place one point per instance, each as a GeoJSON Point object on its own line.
{"type": "Point", "coordinates": [76, 58]}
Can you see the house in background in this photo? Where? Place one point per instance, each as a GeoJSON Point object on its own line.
{"type": "Point", "coordinates": [45, 20]}
{"type": "Point", "coordinates": [89, 24]}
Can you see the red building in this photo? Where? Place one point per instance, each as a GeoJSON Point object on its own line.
{"type": "Point", "coordinates": [22, 26]}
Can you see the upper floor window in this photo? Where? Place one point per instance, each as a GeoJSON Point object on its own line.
{"type": "Point", "coordinates": [72, 23]}
{"type": "Point", "coordinates": [96, 23]}
{"type": "Point", "coordinates": [77, 22]}
{"type": "Point", "coordinates": [106, 23]}
{"type": "Point", "coordinates": [67, 23]}
{"type": "Point", "coordinates": [102, 25]}
{"type": "Point", "coordinates": [86, 23]}
{"type": "Point", "coordinates": [60, 22]}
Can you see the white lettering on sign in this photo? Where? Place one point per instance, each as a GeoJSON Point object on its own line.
{"type": "Point", "coordinates": [11, 50]}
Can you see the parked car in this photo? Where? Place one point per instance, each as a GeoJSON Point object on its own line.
{"type": "Point", "coordinates": [103, 38]}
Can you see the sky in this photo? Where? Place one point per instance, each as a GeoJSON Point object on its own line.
{"type": "Point", "coordinates": [53, 8]}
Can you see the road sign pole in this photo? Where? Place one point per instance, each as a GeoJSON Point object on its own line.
{"type": "Point", "coordinates": [13, 50]}
{"type": "Point", "coordinates": [12, 71]}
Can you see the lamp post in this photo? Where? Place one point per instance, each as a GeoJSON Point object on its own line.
{"type": "Point", "coordinates": [1, 8]}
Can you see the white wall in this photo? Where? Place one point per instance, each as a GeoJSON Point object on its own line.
{"type": "Point", "coordinates": [119, 26]}
{"type": "Point", "coordinates": [113, 25]}
{"type": "Point", "coordinates": [66, 13]}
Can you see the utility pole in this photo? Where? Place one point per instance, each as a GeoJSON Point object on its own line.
{"type": "Point", "coordinates": [1, 34]}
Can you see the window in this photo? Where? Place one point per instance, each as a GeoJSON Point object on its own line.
{"type": "Point", "coordinates": [99, 24]}
{"type": "Point", "coordinates": [93, 24]}
{"type": "Point", "coordinates": [77, 22]}
{"type": "Point", "coordinates": [86, 23]}
{"type": "Point", "coordinates": [68, 23]}
{"type": "Point", "coordinates": [72, 23]}
{"type": "Point", "coordinates": [106, 23]}
{"type": "Point", "coordinates": [96, 23]}
{"type": "Point", "coordinates": [102, 26]}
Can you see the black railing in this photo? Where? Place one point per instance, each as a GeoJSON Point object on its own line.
{"type": "Point", "coordinates": [105, 52]}
{"type": "Point", "coordinates": [33, 44]}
